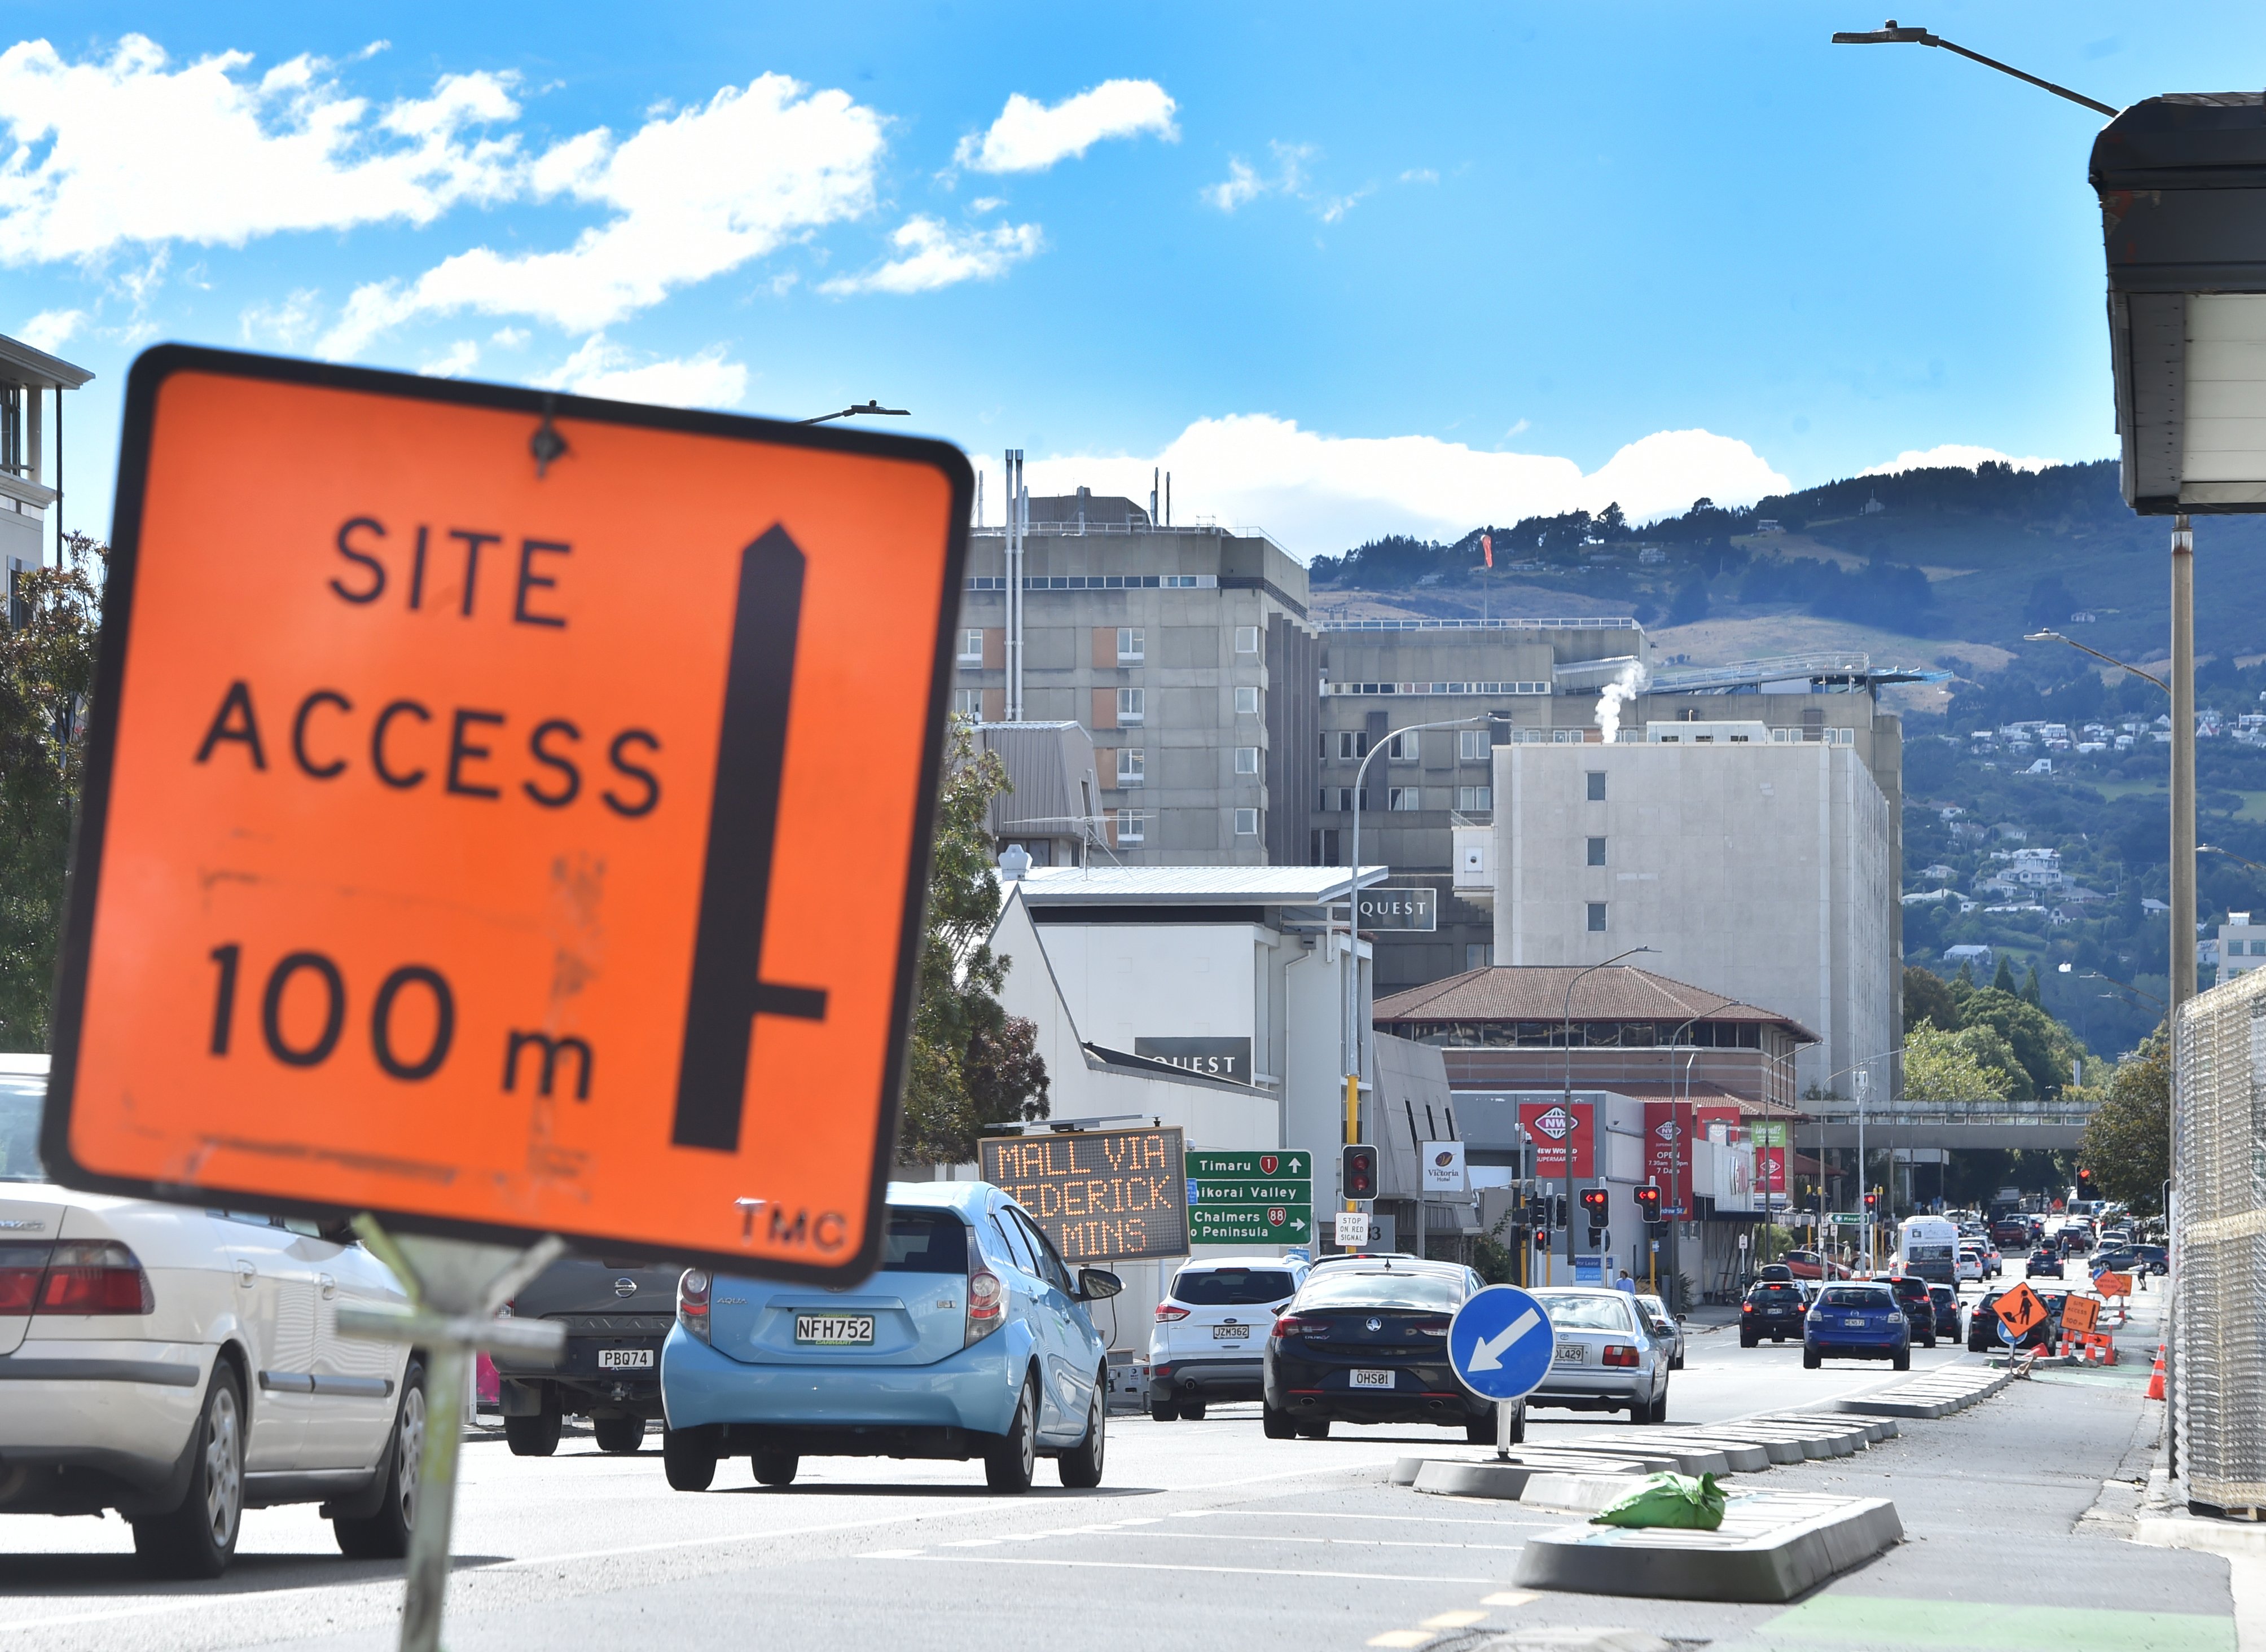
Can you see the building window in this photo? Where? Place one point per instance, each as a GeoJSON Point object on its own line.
{"type": "Point", "coordinates": [1130, 703]}
{"type": "Point", "coordinates": [1247, 759]}
{"type": "Point", "coordinates": [968, 703]}
{"type": "Point", "coordinates": [1597, 918]}
{"type": "Point", "coordinates": [1130, 768]}
{"type": "Point", "coordinates": [1479, 954]}
{"type": "Point", "coordinates": [1246, 702]}
{"type": "Point", "coordinates": [1247, 639]}
{"type": "Point", "coordinates": [1132, 645]}
{"type": "Point", "coordinates": [1475, 799]}
{"type": "Point", "coordinates": [1129, 827]}
{"type": "Point", "coordinates": [1322, 847]}
{"type": "Point", "coordinates": [1597, 851]}
{"type": "Point", "coordinates": [1404, 797]}
{"type": "Point", "coordinates": [1596, 778]}
{"type": "Point", "coordinates": [1471, 745]}
{"type": "Point", "coordinates": [971, 648]}
{"type": "Point", "coordinates": [1353, 745]}
{"type": "Point", "coordinates": [1404, 748]}
{"type": "Point", "coordinates": [1345, 802]}
{"type": "Point", "coordinates": [1246, 823]}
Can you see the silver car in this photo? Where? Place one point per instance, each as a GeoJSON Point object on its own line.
{"type": "Point", "coordinates": [1609, 1357]}
{"type": "Point", "coordinates": [1669, 1327]}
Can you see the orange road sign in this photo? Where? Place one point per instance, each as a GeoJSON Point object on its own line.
{"type": "Point", "coordinates": [2021, 1309]}
{"type": "Point", "coordinates": [2080, 1314]}
{"type": "Point", "coordinates": [2113, 1285]}
{"type": "Point", "coordinates": [507, 812]}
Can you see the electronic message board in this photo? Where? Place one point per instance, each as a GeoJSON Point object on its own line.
{"type": "Point", "coordinates": [1101, 1195]}
{"type": "Point", "coordinates": [469, 782]}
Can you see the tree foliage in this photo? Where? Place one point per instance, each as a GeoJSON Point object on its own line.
{"type": "Point", "coordinates": [2127, 1142]}
{"type": "Point", "coordinates": [1928, 1000]}
{"type": "Point", "coordinates": [47, 672]}
{"type": "Point", "coordinates": [970, 1064]}
{"type": "Point", "coordinates": [1972, 1065]}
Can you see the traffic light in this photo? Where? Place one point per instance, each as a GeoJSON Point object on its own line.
{"type": "Point", "coordinates": [2084, 1182]}
{"type": "Point", "coordinates": [1360, 1171]}
{"type": "Point", "coordinates": [1594, 1203]}
{"type": "Point", "coordinates": [1648, 1204]}
{"type": "Point", "coordinates": [1872, 1202]}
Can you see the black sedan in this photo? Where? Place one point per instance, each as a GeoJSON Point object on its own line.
{"type": "Point", "coordinates": [1946, 1299]}
{"type": "Point", "coordinates": [1920, 1307]}
{"type": "Point", "coordinates": [1369, 1343]}
{"type": "Point", "coordinates": [1774, 1309]}
{"type": "Point", "coordinates": [2045, 1262]}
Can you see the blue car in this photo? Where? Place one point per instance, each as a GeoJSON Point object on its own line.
{"type": "Point", "coordinates": [1856, 1320]}
{"type": "Point", "coordinates": [972, 1341]}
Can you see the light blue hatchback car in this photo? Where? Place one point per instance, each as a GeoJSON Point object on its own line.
{"type": "Point", "coordinates": [972, 1341]}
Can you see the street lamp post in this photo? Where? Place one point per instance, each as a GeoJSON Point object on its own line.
{"type": "Point", "coordinates": [1566, 1104]}
{"type": "Point", "coordinates": [1352, 1052]}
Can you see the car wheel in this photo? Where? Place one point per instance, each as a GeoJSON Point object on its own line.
{"type": "Point", "coordinates": [1163, 1411]}
{"type": "Point", "coordinates": [1192, 1411]}
{"type": "Point", "coordinates": [1081, 1469]}
{"type": "Point", "coordinates": [1810, 1358]}
{"type": "Point", "coordinates": [1901, 1359]}
{"type": "Point", "coordinates": [1319, 1430]}
{"type": "Point", "coordinates": [197, 1539]}
{"type": "Point", "coordinates": [1276, 1424]}
{"type": "Point", "coordinates": [536, 1436]}
{"type": "Point", "coordinates": [618, 1435]}
{"type": "Point", "coordinates": [1657, 1411]}
{"type": "Point", "coordinates": [1009, 1465]}
{"type": "Point", "coordinates": [1676, 1364]}
{"type": "Point", "coordinates": [688, 1456]}
{"type": "Point", "coordinates": [1931, 1341]}
{"type": "Point", "coordinates": [774, 1467]}
{"type": "Point", "coordinates": [1746, 1339]}
{"type": "Point", "coordinates": [384, 1536]}
{"type": "Point", "coordinates": [1480, 1430]}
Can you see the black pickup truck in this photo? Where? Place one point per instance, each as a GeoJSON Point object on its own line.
{"type": "Point", "coordinates": [616, 1314]}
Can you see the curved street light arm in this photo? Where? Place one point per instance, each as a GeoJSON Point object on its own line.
{"type": "Point", "coordinates": [2055, 636]}
{"type": "Point", "coordinates": [1890, 35]}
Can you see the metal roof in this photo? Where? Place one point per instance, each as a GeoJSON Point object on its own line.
{"type": "Point", "coordinates": [1537, 992]}
{"type": "Point", "coordinates": [21, 364]}
{"type": "Point", "coordinates": [1192, 886]}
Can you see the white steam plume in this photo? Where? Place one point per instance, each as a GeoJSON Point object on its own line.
{"type": "Point", "coordinates": [1618, 693]}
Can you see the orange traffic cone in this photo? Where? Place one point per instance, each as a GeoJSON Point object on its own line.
{"type": "Point", "coordinates": [2156, 1377]}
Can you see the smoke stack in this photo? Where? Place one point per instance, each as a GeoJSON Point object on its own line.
{"type": "Point", "coordinates": [1618, 693]}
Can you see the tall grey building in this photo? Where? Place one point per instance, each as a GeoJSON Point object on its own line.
{"type": "Point", "coordinates": [1186, 654]}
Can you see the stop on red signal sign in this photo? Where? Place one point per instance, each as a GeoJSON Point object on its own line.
{"type": "Point", "coordinates": [506, 813]}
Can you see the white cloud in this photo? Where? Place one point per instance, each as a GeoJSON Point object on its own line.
{"type": "Point", "coordinates": [1241, 185]}
{"type": "Point", "coordinates": [1245, 184]}
{"type": "Point", "coordinates": [459, 359]}
{"type": "Point", "coordinates": [132, 150]}
{"type": "Point", "coordinates": [284, 325]}
{"type": "Point", "coordinates": [1030, 136]}
{"type": "Point", "coordinates": [1950, 455]}
{"type": "Point", "coordinates": [51, 329]}
{"type": "Point", "coordinates": [509, 337]}
{"type": "Point", "coordinates": [694, 195]}
{"type": "Point", "coordinates": [705, 379]}
{"type": "Point", "coordinates": [931, 254]}
{"type": "Point", "coordinates": [1322, 494]}
{"type": "Point", "coordinates": [1420, 175]}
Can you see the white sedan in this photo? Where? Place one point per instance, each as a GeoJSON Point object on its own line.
{"type": "Point", "coordinates": [181, 1365]}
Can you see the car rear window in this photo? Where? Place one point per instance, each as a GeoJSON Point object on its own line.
{"type": "Point", "coordinates": [20, 1099]}
{"type": "Point", "coordinates": [1771, 1289]}
{"type": "Point", "coordinates": [1856, 1296]}
{"type": "Point", "coordinates": [1343, 1288]}
{"type": "Point", "coordinates": [924, 1242]}
{"type": "Point", "coordinates": [1570, 1312]}
{"type": "Point", "coordinates": [1232, 1287]}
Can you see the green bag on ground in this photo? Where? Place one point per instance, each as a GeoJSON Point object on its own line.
{"type": "Point", "coordinates": [1668, 1500]}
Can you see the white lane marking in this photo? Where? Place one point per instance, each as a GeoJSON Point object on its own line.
{"type": "Point", "coordinates": [1488, 1352]}
{"type": "Point", "coordinates": [1374, 1543]}
{"type": "Point", "coordinates": [1154, 1566]}
{"type": "Point", "coordinates": [1323, 1514]}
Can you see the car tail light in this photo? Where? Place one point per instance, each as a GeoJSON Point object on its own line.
{"type": "Point", "coordinates": [21, 1268]}
{"type": "Point", "coordinates": [1619, 1354]}
{"type": "Point", "coordinates": [93, 1276]}
{"type": "Point", "coordinates": [1168, 1311]}
{"type": "Point", "coordinates": [987, 1304]}
{"type": "Point", "coordinates": [1746, 1307]}
{"type": "Point", "coordinates": [693, 1302]}
{"type": "Point", "coordinates": [1431, 1327]}
{"type": "Point", "coordinates": [1293, 1325]}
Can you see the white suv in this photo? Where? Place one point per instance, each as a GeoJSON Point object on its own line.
{"type": "Point", "coordinates": [1210, 1338]}
{"type": "Point", "coordinates": [183, 1365]}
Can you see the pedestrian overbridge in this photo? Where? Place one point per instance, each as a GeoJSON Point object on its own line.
{"type": "Point", "coordinates": [2054, 1123]}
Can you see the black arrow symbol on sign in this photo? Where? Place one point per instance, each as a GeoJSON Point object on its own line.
{"type": "Point", "coordinates": [727, 992]}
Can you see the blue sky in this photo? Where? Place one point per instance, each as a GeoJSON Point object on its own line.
{"type": "Point", "coordinates": [1344, 270]}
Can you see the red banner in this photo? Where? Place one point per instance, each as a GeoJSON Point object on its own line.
{"type": "Point", "coordinates": [1550, 1126]}
{"type": "Point", "coordinates": [1770, 1170]}
{"type": "Point", "coordinates": [1667, 1154]}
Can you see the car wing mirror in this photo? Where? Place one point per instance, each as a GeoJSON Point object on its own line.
{"type": "Point", "coordinates": [1096, 1283]}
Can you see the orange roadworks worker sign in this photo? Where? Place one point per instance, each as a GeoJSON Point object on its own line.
{"type": "Point", "coordinates": [2080, 1314]}
{"type": "Point", "coordinates": [2113, 1285]}
{"type": "Point", "coordinates": [506, 813]}
{"type": "Point", "coordinates": [2021, 1309]}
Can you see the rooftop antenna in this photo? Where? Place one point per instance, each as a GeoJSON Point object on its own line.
{"type": "Point", "coordinates": [1154, 472]}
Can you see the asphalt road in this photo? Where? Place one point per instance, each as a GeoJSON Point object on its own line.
{"type": "Point", "coordinates": [1201, 1534]}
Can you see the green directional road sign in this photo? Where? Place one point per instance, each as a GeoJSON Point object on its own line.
{"type": "Point", "coordinates": [1287, 1163]}
{"type": "Point", "coordinates": [1248, 1190]}
{"type": "Point", "coordinates": [1246, 1224]}
{"type": "Point", "coordinates": [1848, 1218]}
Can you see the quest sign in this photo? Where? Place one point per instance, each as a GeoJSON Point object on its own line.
{"type": "Point", "coordinates": [466, 788]}
{"type": "Point", "coordinates": [1101, 1195]}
